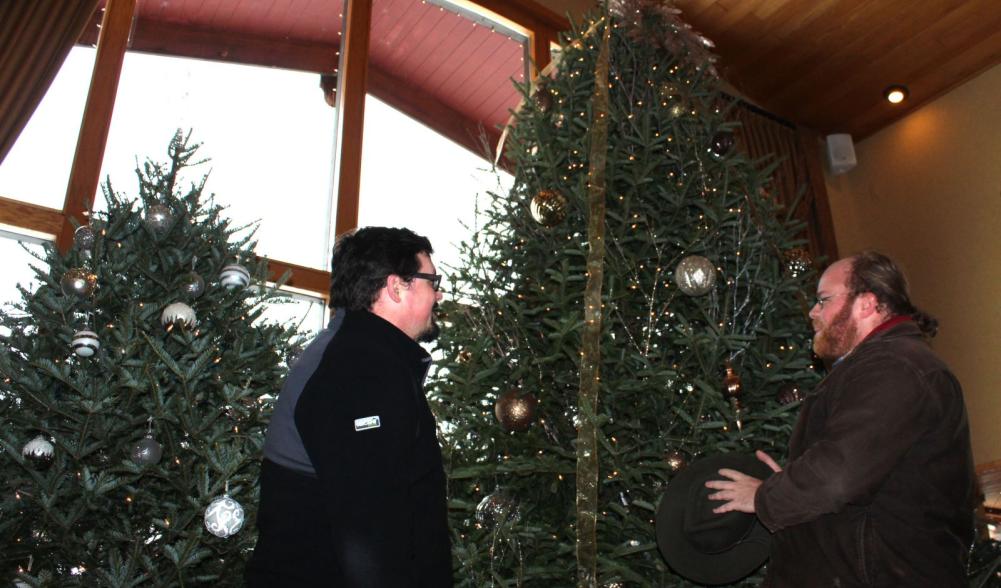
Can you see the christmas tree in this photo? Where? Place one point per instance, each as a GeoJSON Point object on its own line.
{"type": "Point", "coordinates": [637, 301]}
{"type": "Point", "coordinates": [136, 384]}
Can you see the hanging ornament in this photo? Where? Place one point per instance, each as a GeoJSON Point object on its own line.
{"type": "Point", "coordinates": [86, 343]}
{"type": "Point", "coordinates": [146, 451]}
{"type": "Point", "coordinates": [83, 238]}
{"type": "Point", "coordinates": [515, 412]}
{"type": "Point", "coordinates": [78, 282]}
{"type": "Point", "coordinates": [675, 460]}
{"type": "Point", "coordinates": [722, 143]}
{"type": "Point", "coordinates": [224, 517]}
{"type": "Point", "coordinates": [192, 285]}
{"type": "Point", "coordinates": [732, 386]}
{"type": "Point", "coordinates": [543, 96]}
{"type": "Point", "coordinates": [789, 393]}
{"type": "Point", "coordinates": [159, 219]}
{"type": "Point", "coordinates": [797, 262]}
{"type": "Point", "coordinates": [695, 275]}
{"type": "Point", "coordinates": [178, 314]}
{"type": "Point", "coordinates": [39, 453]}
{"type": "Point", "coordinates": [497, 509]}
{"type": "Point", "coordinates": [549, 208]}
{"type": "Point", "coordinates": [234, 276]}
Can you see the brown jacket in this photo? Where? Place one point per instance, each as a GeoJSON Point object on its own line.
{"type": "Point", "coordinates": [878, 490]}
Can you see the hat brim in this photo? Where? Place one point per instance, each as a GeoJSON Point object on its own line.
{"type": "Point", "coordinates": [677, 549]}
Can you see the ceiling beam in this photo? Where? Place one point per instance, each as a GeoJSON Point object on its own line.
{"type": "Point", "coordinates": [86, 171]}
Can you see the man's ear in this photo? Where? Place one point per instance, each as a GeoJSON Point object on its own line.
{"type": "Point", "coordinates": [393, 285]}
{"type": "Point", "coordinates": [868, 304]}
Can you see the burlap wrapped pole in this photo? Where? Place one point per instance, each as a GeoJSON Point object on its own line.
{"type": "Point", "coordinates": [587, 434]}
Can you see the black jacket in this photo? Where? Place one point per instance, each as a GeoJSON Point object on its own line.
{"type": "Point", "coordinates": [374, 515]}
{"type": "Point", "coordinates": [879, 486]}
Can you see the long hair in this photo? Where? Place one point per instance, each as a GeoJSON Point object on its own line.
{"type": "Point", "coordinates": [363, 259]}
{"type": "Point", "coordinates": [874, 272]}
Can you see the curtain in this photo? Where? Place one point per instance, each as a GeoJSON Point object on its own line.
{"type": "Point", "coordinates": [35, 37]}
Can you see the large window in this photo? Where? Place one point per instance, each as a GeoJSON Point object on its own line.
{"type": "Point", "coordinates": [18, 252]}
{"type": "Point", "coordinates": [268, 132]}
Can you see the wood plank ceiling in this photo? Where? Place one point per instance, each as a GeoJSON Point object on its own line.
{"type": "Point", "coordinates": [448, 71]}
{"type": "Point", "coordinates": [825, 63]}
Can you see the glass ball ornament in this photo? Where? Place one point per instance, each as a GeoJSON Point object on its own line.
{"type": "Point", "coordinates": [78, 282]}
{"type": "Point", "coordinates": [234, 276]}
{"type": "Point", "coordinates": [797, 262]}
{"type": "Point", "coordinates": [39, 453]}
{"type": "Point", "coordinates": [721, 144]}
{"type": "Point", "coordinates": [178, 314]}
{"type": "Point", "coordinates": [86, 343]}
{"type": "Point", "coordinates": [514, 411]}
{"type": "Point", "coordinates": [159, 219]}
{"type": "Point", "coordinates": [192, 285]}
{"type": "Point", "coordinates": [675, 460]}
{"type": "Point", "coordinates": [497, 508]}
{"type": "Point", "coordinates": [84, 238]}
{"type": "Point", "coordinates": [789, 393]}
{"type": "Point", "coordinates": [146, 451]}
{"type": "Point", "coordinates": [549, 208]}
{"type": "Point", "coordinates": [224, 517]}
{"type": "Point", "coordinates": [695, 275]}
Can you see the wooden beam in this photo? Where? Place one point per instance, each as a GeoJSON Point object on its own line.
{"type": "Point", "coordinates": [86, 172]}
{"type": "Point", "coordinates": [30, 216]}
{"type": "Point", "coordinates": [352, 85]}
{"type": "Point", "coordinates": [303, 278]}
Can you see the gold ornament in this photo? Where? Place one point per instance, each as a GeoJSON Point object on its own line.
{"type": "Point", "coordinates": [464, 356]}
{"type": "Point", "coordinates": [789, 393]}
{"type": "Point", "coordinates": [797, 261]}
{"type": "Point", "coordinates": [549, 208]}
{"type": "Point", "coordinates": [514, 411]}
{"type": "Point", "coordinates": [675, 461]}
{"type": "Point", "coordinates": [731, 383]}
{"type": "Point", "coordinates": [78, 282]}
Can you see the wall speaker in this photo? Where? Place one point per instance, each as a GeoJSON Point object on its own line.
{"type": "Point", "coordinates": [840, 153]}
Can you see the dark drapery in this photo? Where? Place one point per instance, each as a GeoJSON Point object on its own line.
{"type": "Point", "coordinates": [35, 37]}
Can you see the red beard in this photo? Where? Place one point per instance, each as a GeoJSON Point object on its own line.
{"type": "Point", "coordinates": [839, 336]}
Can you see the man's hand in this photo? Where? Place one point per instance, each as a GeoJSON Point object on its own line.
{"type": "Point", "coordinates": [738, 489]}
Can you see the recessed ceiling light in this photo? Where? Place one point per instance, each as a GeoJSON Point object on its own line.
{"type": "Point", "coordinates": [895, 94]}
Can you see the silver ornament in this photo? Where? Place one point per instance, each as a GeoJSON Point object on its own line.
{"type": "Point", "coordinates": [146, 451]}
{"type": "Point", "coordinates": [234, 276]}
{"type": "Point", "coordinates": [180, 314]}
{"type": "Point", "coordinates": [83, 238]}
{"type": "Point", "coordinates": [192, 285]}
{"type": "Point", "coordinates": [39, 452]}
{"type": "Point", "coordinates": [159, 219]}
{"type": "Point", "coordinates": [695, 275]}
{"type": "Point", "coordinates": [78, 282]}
{"type": "Point", "coordinates": [224, 517]}
{"type": "Point", "coordinates": [86, 343]}
{"type": "Point", "coordinates": [497, 509]}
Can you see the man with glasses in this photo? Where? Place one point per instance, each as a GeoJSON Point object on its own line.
{"type": "Point", "coordinates": [879, 486]}
{"type": "Point", "coordinates": [352, 484]}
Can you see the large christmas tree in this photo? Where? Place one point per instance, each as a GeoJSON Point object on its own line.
{"type": "Point", "coordinates": [135, 390]}
{"type": "Point", "coordinates": [637, 301]}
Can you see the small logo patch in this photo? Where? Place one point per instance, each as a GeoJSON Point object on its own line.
{"type": "Point", "coordinates": [366, 423]}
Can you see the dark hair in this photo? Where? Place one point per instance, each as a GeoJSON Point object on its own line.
{"type": "Point", "coordinates": [363, 259]}
{"type": "Point", "coordinates": [874, 272]}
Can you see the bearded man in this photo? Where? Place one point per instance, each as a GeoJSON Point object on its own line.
{"type": "Point", "coordinates": [879, 486]}
{"type": "Point", "coordinates": [352, 484]}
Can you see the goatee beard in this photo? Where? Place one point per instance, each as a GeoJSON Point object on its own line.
{"type": "Point", "coordinates": [430, 334]}
{"type": "Point", "coordinates": [838, 338]}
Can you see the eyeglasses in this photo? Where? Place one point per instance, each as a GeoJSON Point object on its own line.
{"type": "Point", "coordinates": [822, 300]}
{"type": "Point", "coordinates": [435, 279]}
